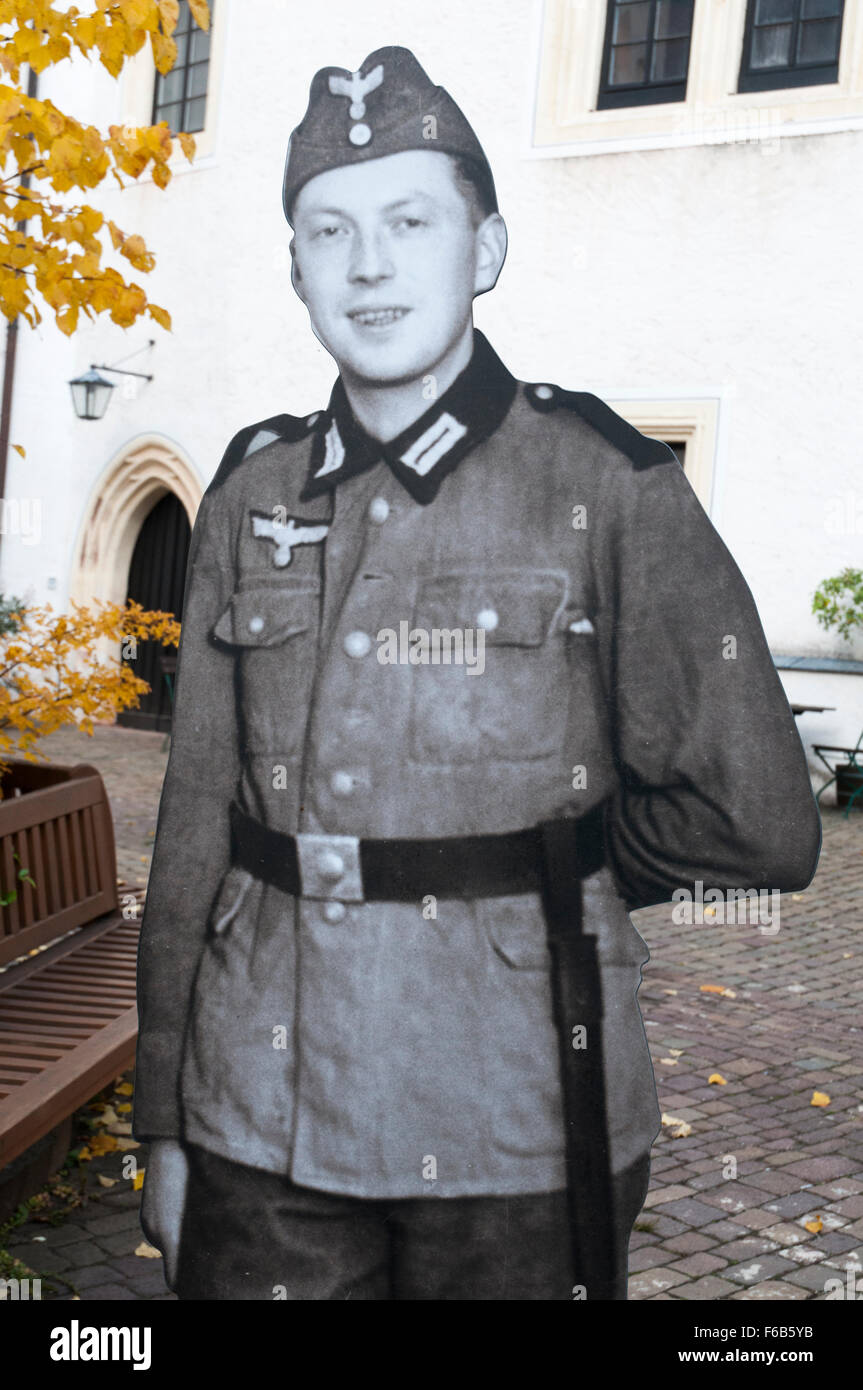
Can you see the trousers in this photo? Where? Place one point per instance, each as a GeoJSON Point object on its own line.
{"type": "Point", "coordinates": [251, 1234]}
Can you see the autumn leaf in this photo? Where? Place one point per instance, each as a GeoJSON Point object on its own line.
{"type": "Point", "coordinates": [187, 144]}
{"type": "Point", "coordinates": [718, 989]}
{"type": "Point", "coordinates": [102, 1144]}
{"type": "Point", "coordinates": [169, 12]}
{"type": "Point", "coordinates": [105, 1182]}
{"type": "Point", "coordinates": [124, 1089]}
{"type": "Point", "coordinates": [124, 1108]}
{"type": "Point", "coordinates": [106, 1116]}
{"type": "Point", "coordinates": [820, 1098]}
{"type": "Point", "coordinates": [19, 449]}
{"type": "Point", "coordinates": [162, 317]}
{"type": "Point", "coordinates": [125, 1144]}
{"type": "Point", "coordinates": [148, 1251]}
{"type": "Point", "coordinates": [714, 1079]}
{"type": "Point", "coordinates": [55, 675]}
{"type": "Point", "coordinates": [200, 13]}
{"type": "Point", "coordinates": [680, 1129]}
{"type": "Point", "coordinates": [51, 252]}
{"type": "Point", "coordinates": [138, 1180]}
{"type": "Point", "coordinates": [815, 1226]}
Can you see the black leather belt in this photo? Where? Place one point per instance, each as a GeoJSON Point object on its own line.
{"type": "Point", "coordinates": [349, 869]}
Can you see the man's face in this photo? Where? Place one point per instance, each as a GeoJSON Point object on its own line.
{"type": "Point", "coordinates": [387, 260]}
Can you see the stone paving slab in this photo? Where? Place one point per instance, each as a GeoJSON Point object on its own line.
{"type": "Point", "coordinates": [726, 1213]}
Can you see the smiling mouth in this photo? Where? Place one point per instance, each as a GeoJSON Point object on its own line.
{"type": "Point", "coordinates": [377, 318]}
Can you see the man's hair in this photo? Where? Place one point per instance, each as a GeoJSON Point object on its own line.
{"type": "Point", "coordinates": [475, 185]}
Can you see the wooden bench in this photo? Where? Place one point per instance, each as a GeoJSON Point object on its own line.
{"type": "Point", "coordinates": [68, 1021]}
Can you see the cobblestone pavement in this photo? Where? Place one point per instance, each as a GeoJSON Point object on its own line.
{"type": "Point", "coordinates": [730, 1200]}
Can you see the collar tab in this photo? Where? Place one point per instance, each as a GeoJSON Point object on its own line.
{"type": "Point", "coordinates": [423, 455]}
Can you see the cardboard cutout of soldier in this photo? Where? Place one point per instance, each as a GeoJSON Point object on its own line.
{"type": "Point", "coordinates": [465, 672]}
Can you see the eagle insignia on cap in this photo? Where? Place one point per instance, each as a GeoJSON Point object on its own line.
{"type": "Point", "coordinates": [357, 87]}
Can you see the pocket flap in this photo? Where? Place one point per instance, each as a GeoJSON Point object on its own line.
{"type": "Point", "coordinates": [266, 616]}
{"type": "Point", "coordinates": [513, 608]}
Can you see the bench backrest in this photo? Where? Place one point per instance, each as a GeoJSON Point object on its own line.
{"type": "Point", "coordinates": [63, 835]}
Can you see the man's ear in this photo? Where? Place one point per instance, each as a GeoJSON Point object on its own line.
{"type": "Point", "coordinates": [491, 244]}
{"type": "Point", "coordinates": [296, 277]}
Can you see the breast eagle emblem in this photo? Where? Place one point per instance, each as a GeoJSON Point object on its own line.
{"type": "Point", "coordinates": [286, 534]}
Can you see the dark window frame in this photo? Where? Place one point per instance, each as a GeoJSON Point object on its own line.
{"type": "Point", "coordinates": [610, 97]}
{"type": "Point", "coordinates": [185, 26]}
{"type": "Point", "coordinates": [794, 74]}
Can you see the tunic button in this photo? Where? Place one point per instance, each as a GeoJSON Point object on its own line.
{"type": "Point", "coordinates": [379, 510]}
{"type": "Point", "coordinates": [543, 393]}
{"type": "Point", "coordinates": [358, 644]}
{"type": "Point", "coordinates": [487, 619]}
{"type": "Point", "coordinates": [342, 783]}
{"type": "Point", "coordinates": [256, 624]}
{"type": "Point", "coordinates": [334, 913]}
{"type": "Point", "coordinates": [331, 865]}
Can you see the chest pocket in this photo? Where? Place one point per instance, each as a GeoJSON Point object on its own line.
{"type": "Point", "coordinates": [274, 627]}
{"type": "Point", "coordinates": [506, 700]}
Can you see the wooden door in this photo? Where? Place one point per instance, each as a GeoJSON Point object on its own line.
{"type": "Point", "coordinates": [157, 577]}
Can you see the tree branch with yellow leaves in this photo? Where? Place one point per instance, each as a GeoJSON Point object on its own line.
{"type": "Point", "coordinates": [60, 264]}
{"type": "Point", "coordinates": [52, 673]}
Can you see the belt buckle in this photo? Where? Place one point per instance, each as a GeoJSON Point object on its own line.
{"type": "Point", "coordinates": [330, 867]}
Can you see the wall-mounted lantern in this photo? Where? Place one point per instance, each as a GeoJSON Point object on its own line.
{"type": "Point", "coordinates": [91, 392]}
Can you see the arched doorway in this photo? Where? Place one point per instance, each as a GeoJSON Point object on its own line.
{"type": "Point", "coordinates": [147, 471]}
{"type": "Point", "coordinates": [157, 577]}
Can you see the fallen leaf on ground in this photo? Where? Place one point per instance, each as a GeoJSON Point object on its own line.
{"type": "Point", "coordinates": [669, 991]}
{"type": "Point", "coordinates": [124, 1108]}
{"type": "Point", "coordinates": [125, 1144]}
{"type": "Point", "coordinates": [107, 1116]}
{"type": "Point", "coordinates": [102, 1144]}
{"type": "Point", "coordinates": [680, 1129]}
{"type": "Point", "coordinates": [138, 1180]}
{"type": "Point", "coordinates": [815, 1225]}
{"type": "Point", "coordinates": [718, 989]}
{"type": "Point", "coordinates": [106, 1182]}
{"type": "Point", "coordinates": [121, 1127]}
{"type": "Point", "coordinates": [820, 1098]}
{"type": "Point", "coordinates": [147, 1251]}
{"type": "Point", "coordinates": [675, 1052]}
{"type": "Point", "coordinates": [668, 1061]}
{"type": "Point", "coordinates": [714, 1079]}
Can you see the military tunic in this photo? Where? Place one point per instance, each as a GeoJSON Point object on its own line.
{"type": "Point", "coordinates": [348, 1044]}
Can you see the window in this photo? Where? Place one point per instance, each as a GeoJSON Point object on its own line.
{"type": "Point", "coordinates": [180, 96]}
{"type": "Point", "coordinates": [646, 53]}
{"type": "Point", "coordinates": [790, 43]}
{"type": "Point", "coordinates": [689, 427]}
{"type": "Point", "coordinates": [678, 446]}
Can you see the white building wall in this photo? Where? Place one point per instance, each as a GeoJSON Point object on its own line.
{"type": "Point", "coordinates": [728, 271]}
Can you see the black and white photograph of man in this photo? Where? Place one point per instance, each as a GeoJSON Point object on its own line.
{"type": "Point", "coordinates": [431, 640]}
{"type": "Point", "coordinates": [394, 1082]}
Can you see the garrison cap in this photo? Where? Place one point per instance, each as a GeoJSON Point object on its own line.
{"type": "Point", "coordinates": [388, 105]}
